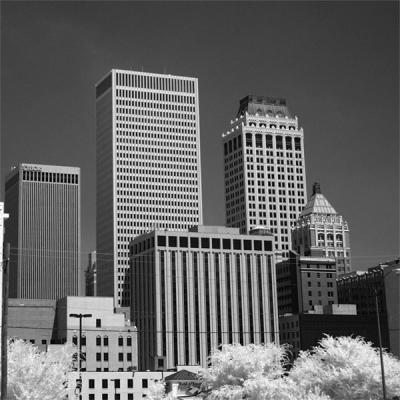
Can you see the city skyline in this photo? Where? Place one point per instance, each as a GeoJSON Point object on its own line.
{"type": "Point", "coordinates": [334, 82]}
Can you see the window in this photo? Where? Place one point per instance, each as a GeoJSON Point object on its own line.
{"type": "Point", "coordinates": [172, 241]}
{"type": "Point", "coordinates": [91, 396]}
{"type": "Point", "coordinates": [130, 383]}
{"type": "Point", "coordinates": [205, 243]}
{"type": "Point", "coordinates": [98, 356]}
{"type": "Point", "coordinates": [91, 383]}
{"type": "Point", "coordinates": [226, 244]}
{"type": "Point", "coordinates": [105, 341]}
{"type": "Point", "coordinates": [120, 341]}
{"type": "Point", "coordinates": [129, 356]}
{"type": "Point", "coordinates": [98, 323]}
{"type": "Point", "coordinates": [75, 340]}
{"type": "Point", "coordinates": [237, 244]}
{"type": "Point", "coordinates": [130, 396]}
{"type": "Point", "coordinates": [129, 341]}
{"type": "Point", "coordinates": [117, 396]}
{"type": "Point", "coordinates": [145, 383]}
{"type": "Point", "coordinates": [44, 341]}
{"type": "Point", "coordinates": [120, 356]}
{"type": "Point", "coordinates": [216, 243]}
{"type": "Point", "coordinates": [183, 241]}
{"type": "Point", "coordinates": [309, 283]}
{"type": "Point", "coordinates": [257, 245]}
{"type": "Point", "coordinates": [98, 341]}
{"type": "Point", "coordinates": [247, 244]}
{"type": "Point", "coordinates": [83, 340]}
{"type": "Point", "coordinates": [194, 242]}
{"type": "Point", "coordinates": [104, 383]}
{"type": "Point", "coordinates": [104, 396]}
{"type": "Point", "coordinates": [105, 356]}
{"type": "Point", "coordinates": [161, 241]}
{"type": "Point", "coordinates": [117, 383]}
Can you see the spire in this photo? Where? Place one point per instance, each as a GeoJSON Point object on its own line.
{"type": "Point", "coordinates": [316, 188]}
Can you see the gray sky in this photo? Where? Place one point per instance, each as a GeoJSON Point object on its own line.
{"type": "Point", "coordinates": [336, 64]}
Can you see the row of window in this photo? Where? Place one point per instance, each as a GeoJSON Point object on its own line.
{"type": "Point", "coordinates": [51, 177]}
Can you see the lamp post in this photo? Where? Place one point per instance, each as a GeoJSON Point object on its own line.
{"type": "Point", "coordinates": [380, 344]}
{"type": "Point", "coordinates": [80, 316]}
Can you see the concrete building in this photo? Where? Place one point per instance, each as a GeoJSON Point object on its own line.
{"type": "Point", "coordinates": [194, 290]}
{"type": "Point", "coordinates": [109, 341]}
{"type": "Point", "coordinates": [3, 217]}
{"type": "Point", "coordinates": [148, 166]}
{"type": "Point", "coordinates": [265, 176]}
{"type": "Point", "coordinates": [383, 281]}
{"type": "Point", "coordinates": [303, 331]}
{"type": "Point", "coordinates": [120, 385]}
{"type": "Point", "coordinates": [321, 231]}
{"type": "Point", "coordinates": [305, 282]}
{"type": "Point", "coordinates": [32, 320]}
{"type": "Point", "coordinates": [90, 275]}
{"type": "Point", "coordinates": [44, 231]}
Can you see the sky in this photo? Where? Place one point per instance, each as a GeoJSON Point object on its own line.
{"type": "Point", "coordinates": [336, 63]}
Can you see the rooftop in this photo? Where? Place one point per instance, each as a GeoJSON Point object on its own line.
{"type": "Point", "coordinates": [265, 106]}
{"type": "Point", "coordinates": [318, 204]}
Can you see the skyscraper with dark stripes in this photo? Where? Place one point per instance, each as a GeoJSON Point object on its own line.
{"type": "Point", "coordinates": [43, 202]}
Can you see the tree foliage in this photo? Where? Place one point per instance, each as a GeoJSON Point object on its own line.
{"type": "Point", "coordinates": [337, 369]}
{"type": "Point", "coordinates": [347, 368]}
{"type": "Point", "coordinates": [35, 375]}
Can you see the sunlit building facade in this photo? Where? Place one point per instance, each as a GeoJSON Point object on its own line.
{"type": "Point", "coordinates": [148, 166]}
{"type": "Point", "coordinates": [265, 178]}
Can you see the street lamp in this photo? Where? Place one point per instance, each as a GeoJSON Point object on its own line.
{"type": "Point", "coordinates": [80, 316]}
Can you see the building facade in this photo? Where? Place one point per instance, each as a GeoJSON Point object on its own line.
{"type": "Point", "coordinates": [120, 385]}
{"type": "Point", "coordinates": [320, 230]}
{"type": "Point", "coordinates": [305, 282]}
{"type": "Point", "coordinates": [148, 166]}
{"type": "Point", "coordinates": [265, 176]}
{"type": "Point", "coordinates": [109, 341]}
{"type": "Point", "coordinates": [305, 330]}
{"type": "Point", "coordinates": [44, 231]}
{"type": "Point", "coordinates": [3, 217]}
{"type": "Point", "coordinates": [381, 284]}
{"type": "Point", "coordinates": [195, 290]}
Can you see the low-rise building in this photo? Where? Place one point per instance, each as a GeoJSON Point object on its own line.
{"type": "Point", "coordinates": [303, 331]}
{"type": "Point", "coordinates": [109, 341]}
{"type": "Point", "coordinates": [194, 290]}
{"type": "Point", "coordinates": [129, 385]}
{"type": "Point", "coordinates": [304, 282]}
{"type": "Point", "coordinates": [381, 284]}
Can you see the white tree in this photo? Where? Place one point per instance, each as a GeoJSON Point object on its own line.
{"type": "Point", "coordinates": [346, 368]}
{"type": "Point", "coordinates": [34, 375]}
{"type": "Point", "coordinates": [156, 390]}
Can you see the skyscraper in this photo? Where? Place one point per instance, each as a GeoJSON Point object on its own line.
{"type": "Point", "coordinates": [198, 289]}
{"type": "Point", "coordinates": [148, 166]}
{"type": "Point", "coordinates": [265, 178]}
{"type": "Point", "coordinates": [43, 202]}
{"type": "Point", "coordinates": [321, 231]}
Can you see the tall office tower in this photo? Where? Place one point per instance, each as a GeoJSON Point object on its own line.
{"type": "Point", "coordinates": [195, 290]}
{"type": "Point", "coordinates": [3, 217]}
{"type": "Point", "coordinates": [321, 231]}
{"type": "Point", "coordinates": [265, 178]}
{"type": "Point", "coordinates": [44, 232]}
{"type": "Point", "coordinates": [148, 166]}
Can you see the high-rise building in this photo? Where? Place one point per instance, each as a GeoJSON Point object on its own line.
{"type": "Point", "coordinates": [44, 232]}
{"type": "Point", "coordinates": [148, 166]}
{"type": "Point", "coordinates": [265, 178]}
{"type": "Point", "coordinates": [3, 217]}
{"type": "Point", "coordinates": [195, 290]}
{"type": "Point", "coordinates": [321, 231]}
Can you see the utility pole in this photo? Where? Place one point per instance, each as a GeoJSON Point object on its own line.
{"type": "Point", "coordinates": [380, 344]}
{"type": "Point", "coordinates": [79, 382]}
{"type": "Point", "coordinates": [4, 368]}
